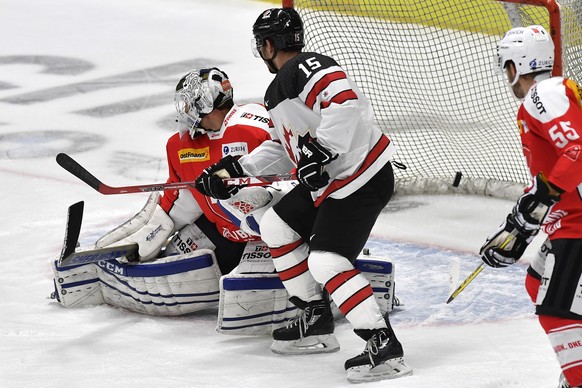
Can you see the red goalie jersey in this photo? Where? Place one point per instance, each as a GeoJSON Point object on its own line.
{"type": "Point", "coordinates": [245, 127]}
{"type": "Point", "coordinates": [550, 123]}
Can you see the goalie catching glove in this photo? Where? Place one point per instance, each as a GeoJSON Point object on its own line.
{"type": "Point", "coordinates": [313, 158]}
{"type": "Point", "coordinates": [508, 243]}
{"type": "Point", "coordinates": [210, 181]}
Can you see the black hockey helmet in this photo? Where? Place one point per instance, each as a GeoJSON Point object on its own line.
{"type": "Point", "coordinates": [283, 26]}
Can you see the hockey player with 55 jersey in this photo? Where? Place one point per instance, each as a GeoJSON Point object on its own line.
{"type": "Point", "coordinates": [550, 125]}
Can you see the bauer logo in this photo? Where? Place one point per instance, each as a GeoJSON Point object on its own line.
{"type": "Point", "coordinates": [190, 155]}
{"type": "Point", "coordinates": [235, 149]}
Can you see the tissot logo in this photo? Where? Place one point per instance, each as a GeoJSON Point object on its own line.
{"type": "Point", "coordinates": [189, 155]}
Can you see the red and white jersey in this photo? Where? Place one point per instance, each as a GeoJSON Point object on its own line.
{"type": "Point", "coordinates": [244, 128]}
{"type": "Point", "coordinates": [550, 123]}
{"type": "Point", "coordinates": [311, 94]}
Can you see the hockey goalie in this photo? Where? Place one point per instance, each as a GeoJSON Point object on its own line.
{"type": "Point", "coordinates": [185, 275]}
{"type": "Point", "coordinates": [185, 242]}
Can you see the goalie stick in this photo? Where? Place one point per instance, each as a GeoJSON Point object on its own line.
{"type": "Point", "coordinates": [72, 229]}
{"type": "Point", "coordinates": [128, 251]}
{"type": "Point", "coordinates": [72, 166]}
{"type": "Point", "coordinates": [69, 257]}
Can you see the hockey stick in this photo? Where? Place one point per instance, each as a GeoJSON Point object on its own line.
{"type": "Point", "coordinates": [128, 251]}
{"type": "Point", "coordinates": [454, 276]}
{"type": "Point", "coordinates": [72, 230]}
{"type": "Point", "coordinates": [68, 255]}
{"type": "Point", "coordinates": [466, 282]}
{"type": "Point", "coordinates": [480, 268]}
{"type": "Point", "coordinates": [72, 166]}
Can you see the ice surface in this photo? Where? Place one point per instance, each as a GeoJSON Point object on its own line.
{"type": "Point", "coordinates": [95, 79]}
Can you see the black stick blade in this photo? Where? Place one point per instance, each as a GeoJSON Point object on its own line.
{"type": "Point", "coordinates": [73, 229]}
{"type": "Point", "coordinates": [69, 164]}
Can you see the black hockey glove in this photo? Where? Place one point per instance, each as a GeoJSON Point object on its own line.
{"type": "Point", "coordinates": [313, 158]}
{"type": "Point", "coordinates": [210, 181]}
{"type": "Point", "coordinates": [507, 244]}
{"type": "Point", "coordinates": [533, 207]}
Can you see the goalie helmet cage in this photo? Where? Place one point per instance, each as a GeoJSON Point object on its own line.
{"type": "Point", "coordinates": [429, 68]}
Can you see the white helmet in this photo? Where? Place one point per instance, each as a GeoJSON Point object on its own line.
{"type": "Point", "coordinates": [530, 48]}
{"type": "Point", "coordinates": [197, 94]}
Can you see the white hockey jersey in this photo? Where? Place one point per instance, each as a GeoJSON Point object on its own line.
{"type": "Point", "coordinates": [312, 94]}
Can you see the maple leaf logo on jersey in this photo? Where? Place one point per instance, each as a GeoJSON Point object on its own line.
{"type": "Point", "coordinates": [288, 134]}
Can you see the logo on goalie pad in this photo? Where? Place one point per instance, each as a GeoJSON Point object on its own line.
{"type": "Point", "coordinates": [111, 267]}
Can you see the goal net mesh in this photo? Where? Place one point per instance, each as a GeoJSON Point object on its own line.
{"type": "Point", "coordinates": [429, 68]}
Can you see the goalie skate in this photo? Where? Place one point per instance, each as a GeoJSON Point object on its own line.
{"type": "Point", "coordinates": [310, 332]}
{"type": "Point", "coordinates": [382, 359]}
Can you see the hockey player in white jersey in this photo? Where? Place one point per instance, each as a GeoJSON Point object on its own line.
{"type": "Point", "coordinates": [325, 130]}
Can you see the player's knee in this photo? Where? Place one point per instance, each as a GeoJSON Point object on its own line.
{"type": "Point", "coordinates": [275, 232]}
{"type": "Point", "coordinates": [325, 265]}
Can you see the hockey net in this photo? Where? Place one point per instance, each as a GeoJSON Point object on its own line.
{"type": "Point", "coordinates": [429, 68]}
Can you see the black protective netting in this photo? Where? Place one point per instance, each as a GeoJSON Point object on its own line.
{"type": "Point", "coordinates": [429, 68]}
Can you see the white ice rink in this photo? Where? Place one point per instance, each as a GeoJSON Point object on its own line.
{"type": "Point", "coordinates": [94, 79]}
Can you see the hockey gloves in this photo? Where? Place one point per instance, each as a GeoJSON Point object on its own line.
{"type": "Point", "coordinates": [313, 158]}
{"type": "Point", "coordinates": [210, 181]}
{"type": "Point", "coordinates": [507, 244]}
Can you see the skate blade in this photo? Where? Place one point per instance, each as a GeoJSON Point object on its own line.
{"type": "Point", "coordinates": [391, 369]}
{"type": "Point", "coordinates": [308, 345]}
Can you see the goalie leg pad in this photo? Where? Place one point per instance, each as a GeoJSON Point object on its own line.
{"type": "Point", "coordinates": [253, 304]}
{"type": "Point", "coordinates": [168, 286]}
{"type": "Point", "coordinates": [77, 286]}
{"type": "Point", "coordinates": [256, 258]}
{"type": "Point", "coordinates": [380, 273]}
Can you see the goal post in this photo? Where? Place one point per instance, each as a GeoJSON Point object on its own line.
{"type": "Point", "coordinates": [430, 70]}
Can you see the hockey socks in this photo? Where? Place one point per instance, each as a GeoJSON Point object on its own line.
{"type": "Point", "coordinates": [564, 335]}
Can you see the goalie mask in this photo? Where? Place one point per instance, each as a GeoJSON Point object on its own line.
{"type": "Point", "coordinates": [197, 94]}
{"type": "Point", "coordinates": [531, 49]}
{"type": "Point", "coordinates": [282, 26]}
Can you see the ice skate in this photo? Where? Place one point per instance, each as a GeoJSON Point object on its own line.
{"type": "Point", "coordinates": [310, 332]}
{"type": "Point", "coordinates": [382, 359]}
